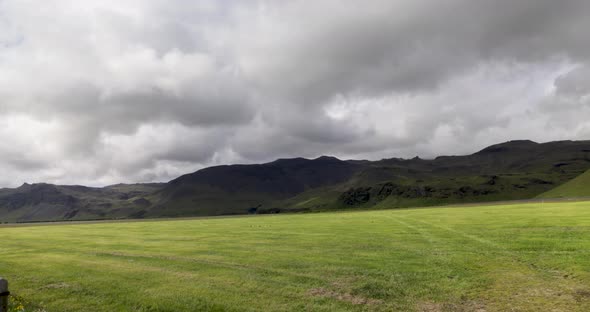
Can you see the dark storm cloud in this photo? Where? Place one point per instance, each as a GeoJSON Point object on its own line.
{"type": "Point", "coordinates": [406, 46]}
{"type": "Point", "coordinates": [146, 90]}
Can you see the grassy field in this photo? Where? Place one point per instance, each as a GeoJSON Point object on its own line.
{"type": "Point", "coordinates": [522, 257]}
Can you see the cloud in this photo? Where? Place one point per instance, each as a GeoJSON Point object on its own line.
{"type": "Point", "coordinates": [102, 92]}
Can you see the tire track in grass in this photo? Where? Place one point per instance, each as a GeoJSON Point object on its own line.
{"type": "Point", "coordinates": [426, 235]}
{"type": "Point", "coordinates": [166, 263]}
{"type": "Point", "coordinates": [434, 240]}
{"type": "Point", "coordinates": [492, 247]}
{"type": "Point", "coordinates": [219, 264]}
{"type": "Point", "coordinates": [532, 289]}
{"type": "Point", "coordinates": [541, 271]}
{"type": "Point", "coordinates": [429, 236]}
{"type": "Point", "coordinates": [497, 247]}
{"type": "Point", "coordinates": [440, 257]}
{"type": "Point", "coordinates": [211, 283]}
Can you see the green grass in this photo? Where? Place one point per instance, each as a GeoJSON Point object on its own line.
{"type": "Point", "coordinates": [577, 187]}
{"type": "Point", "coordinates": [524, 257]}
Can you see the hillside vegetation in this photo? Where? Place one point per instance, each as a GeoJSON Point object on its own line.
{"type": "Point", "coordinates": [525, 257]}
{"type": "Point", "coordinates": [508, 171]}
{"type": "Point", "coordinates": [577, 187]}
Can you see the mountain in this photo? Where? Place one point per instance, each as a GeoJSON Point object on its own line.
{"type": "Point", "coordinates": [506, 171]}
{"type": "Point", "coordinates": [239, 189]}
{"type": "Point", "coordinates": [578, 187]}
{"type": "Point", "coordinates": [48, 202]}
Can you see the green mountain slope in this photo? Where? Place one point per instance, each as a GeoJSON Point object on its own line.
{"type": "Point", "coordinates": [578, 187]}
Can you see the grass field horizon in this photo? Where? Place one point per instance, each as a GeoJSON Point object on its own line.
{"type": "Point", "coordinates": [519, 256]}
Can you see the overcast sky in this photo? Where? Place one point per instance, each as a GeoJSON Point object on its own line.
{"type": "Point", "coordinates": [100, 92]}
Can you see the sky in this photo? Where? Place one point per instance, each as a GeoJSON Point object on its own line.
{"type": "Point", "coordinates": [101, 92]}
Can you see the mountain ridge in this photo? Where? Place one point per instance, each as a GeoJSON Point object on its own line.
{"type": "Point", "coordinates": [518, 169]}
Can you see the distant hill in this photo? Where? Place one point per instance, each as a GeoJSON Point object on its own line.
{"type": "Point", "coordinates": [48, 202]}
{"type": "Point", "coordinates": [506, 171]}
{"type": "Point", "coordinates": [239, 189]}
{"type": "Point", "coordinates": [577, 187]}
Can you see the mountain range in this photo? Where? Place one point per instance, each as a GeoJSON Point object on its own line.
{"type": "Point", "coordinates": [508, 171]}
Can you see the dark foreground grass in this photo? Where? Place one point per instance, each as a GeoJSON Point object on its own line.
{"type": "Point", "coordinates": [524, 257]}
